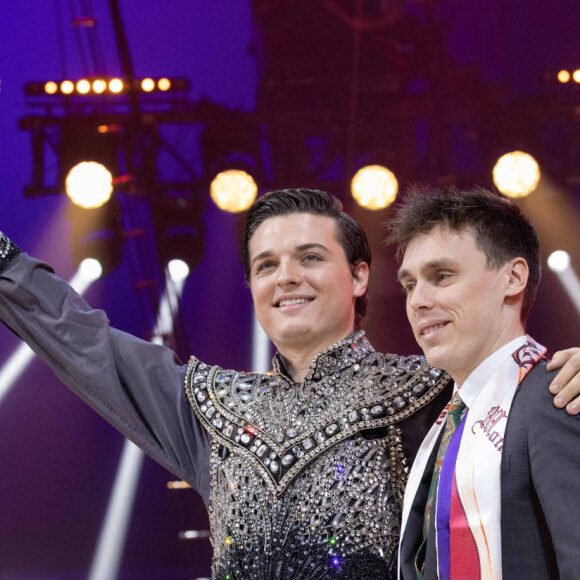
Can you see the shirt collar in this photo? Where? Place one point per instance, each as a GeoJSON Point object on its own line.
{"type": "Point", "coordinates": [479, 377]}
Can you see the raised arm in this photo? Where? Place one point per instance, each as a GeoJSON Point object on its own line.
{"type": "Point", "coordinates": [135, 385]}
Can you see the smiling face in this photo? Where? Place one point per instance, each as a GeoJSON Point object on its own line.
{"type": "Point", "coordinates": [304, 289]}
{"type": "Point", "coordinates": [460, 310]}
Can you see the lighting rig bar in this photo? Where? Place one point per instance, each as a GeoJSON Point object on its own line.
{"type": "Point", "coordinates": [92, 86]}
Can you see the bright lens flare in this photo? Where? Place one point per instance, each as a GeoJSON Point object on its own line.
{"type": "Point", "coordinates": [564, 76]}
{"type": "Point", "coordinates": [374, 187]}
{"type": "Point", "coordinates": [516, 174]}
{"type": "Point", "coordinates": [116, 85]}
{"type": "Point", "coordinates": [50, 88]}
{"type": "Point", "coordinates": [147, 85]}
{"type": "Point", "coordinates": [233, 190]}
{"type": "Point", "coordinates": [89, 184]}
{"type": "Point", "coordinates": [576, 76]}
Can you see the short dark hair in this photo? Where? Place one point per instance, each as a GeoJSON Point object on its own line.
{"type": "Point", "coordinates": [349, 233]}
{"type": "Point", "coordinates": [501, 230]}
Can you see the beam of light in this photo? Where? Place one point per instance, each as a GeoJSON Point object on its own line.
{"type": "Point", "coordinates": [559, 262]}
{"type": "Point", "coordinates": [113, 535]}
{"type": "Point", "coordinates": [261, 356]}
{"type": "Point", "coordinates": [20, 359]}
{"type": "Point", "coordinates": [109, 550]}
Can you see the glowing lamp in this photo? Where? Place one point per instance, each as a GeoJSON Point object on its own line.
{"type": "Point", "coordinates": [516, 174]}
{"type": "Point", "coordinates": [50, 88]}
{"type": "Point", "coordinates": [90, 269]}
{"type": "Point", "coordinates": [563, 76]}
{"type": "Point", "coordinates": [116, 85]}
{"type": "Point", "coordinates": [374, 187]}
{"type": "Point", "coordinates": [576, 76]}
{"type": "Point", "coordinates": [148, 85]}
{"type": "Point", "coordinates": [89, 184]}
{"type": "Point", "coordinates": [178, 270]}
{"type": "Point", "coordinates": [233, 190]}
{"type": "Point", "coordinates": [99, 86]}
{"type": "Point", "coordinates": [559, 261]}
{"type": "Point", "coordinates": [164, 84]}
{"type": "Point", "coordinates": [83, 86]}
{"type": "Point", "coordinates": [67, 87]}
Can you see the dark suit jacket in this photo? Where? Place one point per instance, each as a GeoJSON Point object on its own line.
{"type": "Point", "coordinates": [540, 491]}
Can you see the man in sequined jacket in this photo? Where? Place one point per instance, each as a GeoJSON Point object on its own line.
{"type": "Point", "coordinates": [302, 469]}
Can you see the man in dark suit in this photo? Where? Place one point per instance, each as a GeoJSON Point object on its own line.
{"type": "Point", "coordinates": [494, 489]}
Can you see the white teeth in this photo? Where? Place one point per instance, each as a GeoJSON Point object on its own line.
{"type": "Point", "coordinates": [293, 301]}
{"type": "Point", "coordinates": [432, 328]}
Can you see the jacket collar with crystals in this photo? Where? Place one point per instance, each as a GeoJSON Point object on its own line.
{"type": "Point", "coordinates": [281, 426]}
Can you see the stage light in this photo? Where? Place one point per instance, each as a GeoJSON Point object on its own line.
{"type": "Point", "coordinates": [178, 270]}
{"type": "Point", "coordinates": [50, 88]}
{"type": "Point", "coordinates": [564, 76]}
{"type": "Point", "coordinates": [116, 85]}
{"type": "Point", "coordinates": [233, 190]}
{"type": "Point", "coordinates": [164, 84]}
{"type": "Point", "coordinates": [148, 85]}
{"type": "Point", "coordinates": [83, 86]}
{"type": "Point", "coordinates": [67, 87]}
{"type": "Point", "coordinates": [90, 269]}
{"type": "Point", "coordinates": [516, 174]}
{"type": "Point", "coordinates": [89, 184]}
{"type": "Point", "coordinates": [374, 187]}
{"type": "Point", "coordinates": [559, 261]}
{"type": "Point", "coordinates": [576, 76]}
{"type": "Point", "coordinates": [99, 86]}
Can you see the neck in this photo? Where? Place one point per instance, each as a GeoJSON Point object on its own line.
{"type": "Point", "coordinates": [509, 334]}
{"type": "Point", "coordinates": [298, 359]}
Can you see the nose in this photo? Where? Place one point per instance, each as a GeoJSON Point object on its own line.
{"type": "Point", "coordinates": [288, 274]}
{"type": "Point", "coordinates": [420, 298]}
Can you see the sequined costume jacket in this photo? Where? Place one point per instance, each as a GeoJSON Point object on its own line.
{"type": "Point", "coordinates": [308, 479]}
{"type": "Point", "coordinates": [303, 481]}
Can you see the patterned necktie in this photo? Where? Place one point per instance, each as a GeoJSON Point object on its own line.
{"type": "Point", "coordinates": [452, 420]}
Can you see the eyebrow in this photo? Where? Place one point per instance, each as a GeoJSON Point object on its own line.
{"type": "Point", "coordinates": [300, 248]}
{"type": "Point", "coordinates": [433, 265]}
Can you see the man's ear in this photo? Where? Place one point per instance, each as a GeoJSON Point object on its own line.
{"type": "Point", "coordinates": [517, 273]}
{"type": "Point", "coordinates": [360, 275]}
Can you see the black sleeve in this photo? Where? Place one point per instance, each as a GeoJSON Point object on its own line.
{"type": "Point", "coordinates": [135, 385]}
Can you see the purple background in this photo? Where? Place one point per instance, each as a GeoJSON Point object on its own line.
{"type": "Point", "coordinates": [58, 458]}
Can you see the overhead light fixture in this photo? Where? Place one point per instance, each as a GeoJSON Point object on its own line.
{"type": "Point", "coordinates": [374, 187]}
{"type": "Point", "coordinates": [516, 174]}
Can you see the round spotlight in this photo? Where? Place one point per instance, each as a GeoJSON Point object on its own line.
{"type": "Point", "coordinates": [178, 270]}
{"type": "Point", "coordinates": [374, 187]}
{"type": "Point", "coordinates": [50, 88]}
{"type": "Point", "coordinates": [67, 87]}
{"type": "Point", "coordinates": [116, 85]}
{"type": "Point", "coordinates": [89, 184]}
{"type": "Point", "coordinates": [99, 86]}
{"type": "Point", "coordinates": [148, 85]}
{"type": "Point", "coordinates": [163, 84]}
{"type": "Point", "coordinates": [576, 76]}
{"type": "Point", "coordinates": [233, 190]}
{"type": "Point", "coordinates": [90, 269]}
{"type": "Point", "coordinates": [516, 174]}
{"type": "Point", "coordinates": [83, 86]}
{"type": "Point", "coordinates": [559, 261]}
{"type": "Point", "coordinates": [563, 76]}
